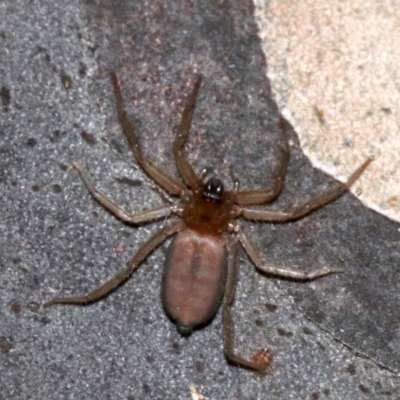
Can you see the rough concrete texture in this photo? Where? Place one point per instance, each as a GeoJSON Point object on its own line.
{"type": "Point", "coordinates": [334, 72]}
{"type": "Point", "coordinates": [335, 338]}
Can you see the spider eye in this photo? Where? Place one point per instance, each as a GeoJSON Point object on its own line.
{"type": "Point", "coordinates": [213, 190]}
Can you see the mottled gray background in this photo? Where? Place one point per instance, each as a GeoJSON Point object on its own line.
{"type": "Point", "coordinates": [335, 338]}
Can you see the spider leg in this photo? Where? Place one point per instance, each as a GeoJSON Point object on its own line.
{"type": "Point", "coordinates": [164, 180]}
{"type": "Point", "coordinates": [284, 273]}
{"type": "Point", "coordinates": [263, 196]}
{"type": "Point", "coordinates": [122, 276]}
{"type": "Point", "coordinates": [184, 168]}
{"type": "Point", "coordinates": [228, 326]}
{"type": "Point", "coordinates": [264, 214]}
{"type": "Point", "coordinates": [148, 215]}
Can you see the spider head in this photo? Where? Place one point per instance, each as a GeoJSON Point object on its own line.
{"type": "Point", "coordinates": [213, 190]}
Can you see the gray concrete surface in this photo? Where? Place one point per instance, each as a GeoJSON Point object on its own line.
{"type": "Point", "coordinates": [335, 338]}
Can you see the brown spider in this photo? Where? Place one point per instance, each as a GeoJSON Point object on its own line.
{"type": "Point", "coordinates": [201, 267]}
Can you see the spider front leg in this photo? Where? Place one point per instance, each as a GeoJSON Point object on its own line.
{"type": "Point", "coordinates": [132, 265]}
{"type": "Point", "coordinates": [264, 214]}
{"type": "Point", "coordinates": [185, 169]}
{"type": "Point", "coordinates": [262, 196]}
{"type": "Point", "coordinates": [168, 183]}
{"type": "Point", "coordinates": [284, 273]}
{"type": "Point", "coordinates": [148, 215]}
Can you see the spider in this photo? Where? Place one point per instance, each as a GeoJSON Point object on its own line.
{"type": "Point", "coordinates": [201, 267]}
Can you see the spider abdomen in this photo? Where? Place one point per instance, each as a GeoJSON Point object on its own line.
{"type": "Point", "coordinates": [194, 279]}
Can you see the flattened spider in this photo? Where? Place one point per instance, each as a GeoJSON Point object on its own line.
{"type": "Point", "coordinates": [201, 267]}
